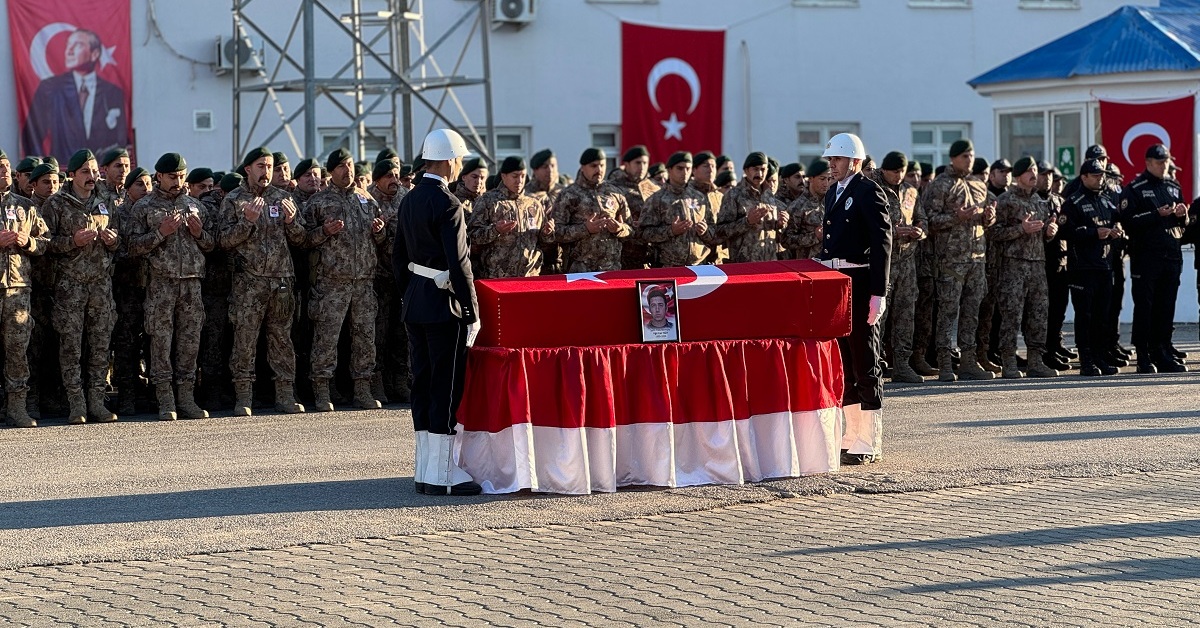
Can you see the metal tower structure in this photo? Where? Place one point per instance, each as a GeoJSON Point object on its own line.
{"type": "Point", "coordinates": [282, 84]}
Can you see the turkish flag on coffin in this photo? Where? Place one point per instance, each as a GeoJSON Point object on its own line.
{"type": "Point", "coordinates": [672, 87]}
{"type": "Point", "coordinates": [1130, 128]}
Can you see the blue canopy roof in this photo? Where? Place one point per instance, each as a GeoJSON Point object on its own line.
{"type": "Point", "coordinates": [1130, 39]}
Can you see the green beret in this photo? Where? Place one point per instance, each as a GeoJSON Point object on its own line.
{"type": "Point", "coordinates": [27, 165]}
{"type": "Point", "coordinates": [42, 170]}
{"type": "Point", "coordinates": [790, 170]}
{"type": "Point", "coordinates": [382, 168]}
{"type": "Point", "coordinates": [635, 152]}
{"type": "Point", "coordinates": [50, 159]}
{"type": "Point", "coordinates": [894, 160]}
{"type": "Point", "coordinates": [3, 155]}
{"type": "Point", "coordinates": [926, 167]}
{"type": "Point", "coordinates": [756, 158]}
{"type": "Point", "coordinates": [361, 170]}
{"type": "Point", "coordinates": [1023, 165]}
{"type": "Point", "coordinates": [79, 159]}
{"type": "Point", "coordinates": [772, 168]}
{"type": "Point", "coordinates": [979, 166]}
{"type": "Point", "coordinates": [337, 158]}
{"type": "Point", "coordinates": [703, 156]}
{"type": "Point", "coordinates": [657, 169]}
{"type": "Point", "coordinates": [913, 166]}
{"type": "Point", "coordinates": [198, 175]}
{"type": "Point", "coordinates": [592, 155]}
{"type": "Point", "coordinates": [171, 162]}
{"type": "Point", "coordinates": [723, 159]}
{"type": "Point", "coordinates": [134, 175]}
{"type": "Point", "coordinates": [303, 167]}
{"type": "Point", "coordinates": [471, 164]}
{"type": "Point", "coordinates": [279, 158]}
{"type": "Point", "coordinates": [540, 158]}
{"type": "Point", "coordinates": [678, 158]}
{"type": "Point", "coordinates": [818, 167]}
{"type": "Point", "coordinates": [231, 181]}
{"type": "Point", "coordinates": [406, 170]}
{"type": "Point", "coordinates": [387, 154]}
{"type": "Point", "coordinates": [512, 163]}
{"type": "Point", "coordinates": [112, 155]}
{"type": "Point", "coordinates": [723, 179]}
{"type": "Point", "coordinates": [961, 146]}
{"type": "Point", "coordinates": [255, 154]}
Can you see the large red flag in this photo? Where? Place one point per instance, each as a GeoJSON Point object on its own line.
{"type": "Point", "coordinates": [73, 73]}
{"type": "Point", "coordinates": [671, 89]}
{"type": "Point", "coordinates": [1129, 128]}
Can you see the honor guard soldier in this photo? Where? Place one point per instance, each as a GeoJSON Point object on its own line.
{"type": "Point", "coordinates": [508, 227]}
{"type": "Point", "coordinates": [748, 221]}
{"type": "Point", "coordinates": [678, 219]}
{"type": "Point", "coordinates": [1090, 226]}
{"type": "Point", "coordinates": [592, 216]}
{"type": "Point", "coordinates": [441, 311]}
{"type": "Point", "coordinates": [858, 242]}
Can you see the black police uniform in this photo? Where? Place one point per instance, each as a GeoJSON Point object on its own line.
{"type": "Point", "coordinates": [858, 230]}
{"type": "Point", "coordinates": [430, 232]}
{"type": "Point", "coordinates": [1156, 262]}
{"type": "Point", "coordinates": [1090, 272]}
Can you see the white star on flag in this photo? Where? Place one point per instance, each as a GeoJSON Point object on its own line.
{"type": "Point", "coordinates": [106, 56]}
{"type": "Point", "coordinates": [674, 128]}
{"type": "Point", "coordinates": [585, 277]}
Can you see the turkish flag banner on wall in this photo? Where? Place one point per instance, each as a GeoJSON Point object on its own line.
{"type": "Point", "coordinates": [73, 72]}
{"type": "Point", "coordinates": [672, 88]}
{"type": "Point", "coordinates": [1129, 128]}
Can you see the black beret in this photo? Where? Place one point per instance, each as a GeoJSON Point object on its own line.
{"type": "Point", "coordinates": [406, 170]}
{"type": "Point", "coordinates": [1022, 166]}
{"type": "Point", "coordinates": [512, 163]}
{"type": "Point", "coordinates": [772, 168]}
{"type": "Point", "coordinates": [723, 179]}
{"type": "Point", "coordinates": [1090, 166]}
{"type": "Point", "coordinates": [470, 164]}
{"type": "Point", "coordinates": [418, 164]}
{"type": "Point", "coordinates": [1045, 167]}
{"type": "Point", "coordinates": [27, 165]}
{"type": "Point", "coordinates": [492, 182]}
{"type": "Point", "coordinates": [894, 160]}
{"type": "Point", "coordinates": [926, 167]}
{"type": "Point", "coordinates": [231, 181]}
{"type": "Point", "coordinates": [635, 152]}
{"type": "Point", "coordinates": [979, 166]}
{"type": "Point", "coordinates": [198, 175]}
{"type": "Point", "coordinates": [387, 154]}
{"type": "Point", "coordinates": [361, 170]}
{"type": "Point", "coordinates": [337, 158]}
{"type": "Point", "coordinates": [1158, 151]}
{"type": "Point", "coordinates": [703, 156]}
{"type": "Point", "coordinates": [790, 170]}
{"type": "Point", "coordinates": [1095, 151]}
{"type": "Point", "coordinates": [678, 158]}
{"type": "Point", "coordinates": [279, 158]}
{"type": "Point", "coordinates": [134, 175]}
{"type": "Point", "coordinates": [112, 155]}
{"type": "Point", "coordinates": [592, 155]}
{"type": "Point", "coordinates": [42, 170]}
{"type": "Point", "coordinates": [540, 158]}
{"type": "Point", "coordinates": [961, 146]}
{"type": "Point", "coordinates": [78, 160]}
{"type": "Point", "coordinates": [303, 167]}
{"type": "Point", "coordinates": [818, 167]}
{"type": "Point", "coordinates": [756, 158]}
{"type": "Point", "coordinates": [255, 154]}
{"type": "Point", "coordinates": [657, 169]}
{"type": "Point", "coordinates": [170, 162]}
{"type": "Point", "coordinates": [723, 159]}
{"type": "Point", "coordinates": [382, 168]}
{"type": "Point", "coordinates": [1001, 164]}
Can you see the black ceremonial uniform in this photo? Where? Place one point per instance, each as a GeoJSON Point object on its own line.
{"type": "Point", "coordinates": [430, 232]}
{"type": "Point", "coordinates": [1089, 268]}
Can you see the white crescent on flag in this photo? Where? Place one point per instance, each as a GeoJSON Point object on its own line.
{"type": "Point", "coordinates": [680, 68]}
{"type": "Point", "coordinates": [37, 47]}
{"type": "Point", "coordinates": [1144, 128]}
{"type": "Point", "coordinates": [708, 279]}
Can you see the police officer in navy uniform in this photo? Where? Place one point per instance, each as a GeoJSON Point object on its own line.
{"type": "Point", "coordinates": [858, 242]}
{"type": "Point", "coordinates": [1089, 225]}
{"type": "Point", "coordinates": [432, 266]}
{"type": "Point", "coordinates": [1154, 214]}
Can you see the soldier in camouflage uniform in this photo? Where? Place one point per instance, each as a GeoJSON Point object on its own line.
{"type": "Point", "coordinates": [678, 219]}
{"type": "Point", "coordinates": [791, 184]}
{"type": "Point", "coordinates": [592, 216]}
{"type": "Point", "coordinates": [470, 184]}
{"type": "Point", "coordinates": [804, 231]}
{"type": "Point", "coordinates": [959, 210]}
{"type": "Point", "coordinates": [173, 231]}
{"type": "Point", "coordinates": [85, 242]}
{"type": "Point", "coordinates": [24, 187]}
{"type": "Point", "coordinates": [908, 228]}
{"type": "Point", "coordinates": [987, 339]}
{"type": "Point", "coordinates": [347, 227]}
{"type": "Point", "coordinates": [508, 227]}
{"type": "Point", "coordinates": [391, 346]}
{"type": "Point", "coordinates": [748, 221]}
{"type": "Point", "coordinates": [199, 182]}
{"type": "Point", "coordinates": [23, 236]}
{"type": "Point", "coordinates": [926, 290]}
{"type": "Point", "coordinates": [631, 178]}
{"type": "Point", "coordinates": [1024, 223]}
{"type": "Point", "coordinates": [281, 173]}
{"type": "Point", "coordinates": [216, 383]}
{"type": "Point", "coordinates": [704, 172]}
{"type": "Point", "coordinates": [545, 187]}
{"type": "Point", "coordinates": [44, 379]}
{"type": "Point", "coordinates": [258, 222]}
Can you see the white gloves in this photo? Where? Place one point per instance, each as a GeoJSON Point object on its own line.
{"type": "Point", "coordinates": [473, 332]}
{"type": "Point", "coordinates": [878, 306]}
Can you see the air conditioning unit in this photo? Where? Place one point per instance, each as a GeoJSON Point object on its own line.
{"type": "Point", "coordinates": [519, 12]}
{"type": "Point", "coordinates": [245, 51]}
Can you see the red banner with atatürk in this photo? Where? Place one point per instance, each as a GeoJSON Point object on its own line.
{"type": "Point", "coordinates": [1130, 128]}
{"type": "Point", "coordinates": [73, 72]}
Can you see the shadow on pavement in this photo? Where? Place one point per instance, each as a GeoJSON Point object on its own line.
{"type": "Point", "coordinates": [1140, 570]}
{"type": "Point", "coordinates": [1074, 419]}
{"type": "Point", "coordinates": [1130, 433]}
{"type": "Point", "coordinates": [1065, 383]}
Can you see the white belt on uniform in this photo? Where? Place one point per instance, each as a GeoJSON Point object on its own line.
{"type": "Point", "coordinates": [837, 264]}
{"type": "Point", "coordinates": [441, 278]}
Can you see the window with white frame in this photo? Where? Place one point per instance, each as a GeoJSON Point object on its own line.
{"type": "Point", "coordinates": [811, 138]}
{"type": "Point", "coordinates": [1048, 4]}
{"type": "Point", "coordinates": [1023, 134]}
{"type": "Point", "coordinates": [853, 4]}
{"type": "Point", "coordinates": [940, 4]}
{"type": "Point", "coordinates": [375, 140]}
{"type": "Point", "coordinates": [607, 137]}
{"type": "Point", "coordinates": [931, 140]}
{"type": "Point", "coordinates": [510, 140]}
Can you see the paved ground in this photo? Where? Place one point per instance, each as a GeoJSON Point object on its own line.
{"type": "Point", "coordinates": [1066, 502]}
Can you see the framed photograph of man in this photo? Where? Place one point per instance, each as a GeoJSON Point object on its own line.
{"type": "Point", "coordinates": [658, 310]}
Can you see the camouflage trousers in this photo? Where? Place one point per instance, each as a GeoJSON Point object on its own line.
{"type": "Point", "coordinates": [960, 289]}
{"type": "Point", "coordinates": [988, 307]}
{"type": "Point", "coordinates": [255, 302]}
{"type": "Point", "coordinates": [129, 335]}
{"type": "Point", "coordinates": [1023, 294]}
{"type": "Point", "coordinates": [330, 302]}
{"type": "Point", "coordinates": [903, 307]}
{"type": "Point", "coordinates": [16, 323]}
{"type": "Point", "coordinates": [84, 308]}
{"type": "Point", "coordinates": [391, 340]}
{"type": "Point", "coordinates": [174, 316]}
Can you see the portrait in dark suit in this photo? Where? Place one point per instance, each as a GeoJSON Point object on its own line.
{"type": "Point", "coordinates": [77, 109]}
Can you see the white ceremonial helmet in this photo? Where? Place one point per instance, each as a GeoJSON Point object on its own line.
{"type": "Point", "coordinates": [845, 145]}
{"type": "Point", "coordinates": [443, 145]}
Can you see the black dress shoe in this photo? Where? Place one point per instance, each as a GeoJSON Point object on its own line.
{"type": "Point", "coordinates": [1122, 350]}
{"type": "Point", "coordinates": [1089, 370]}
{"type": "Point", "coordinates": [1179, 355]}
{"type": "Point", "coordinates": [1106, 368]}
{"type": "Point", "coordinates": [1146, 367]}
{"type": "Point", "coordinates": [1116, 359]}
{"type": "Point", "coordinates": [420, 486]}
{"type": "Point", "coordinates": [462, 489]}
{"type": "Point", "coordinates": [1070, 354]}
{"type": "Point", "coordinates": [849, 459]}
{"type": "Point", "coordinates": [1055, 362]}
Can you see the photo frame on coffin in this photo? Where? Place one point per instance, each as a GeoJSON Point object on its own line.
{"type": "Point", "coordinates": [658, 311]}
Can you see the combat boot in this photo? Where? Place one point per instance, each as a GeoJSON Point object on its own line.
{"type": "Point", "coordinates": [903, 372]}
{"type": "Point", "coordinates": [166, 402]}
{"type": "Point", "coordinates": [1038, 366]}
{"type": "Point", "coordinates": [321, 402]}
{"type": "Point", "coordinates": [1145, 365]}
{"type": "Point", "coordinates": [17, 414]}
{"type": "Point", "coordinates": [969, 369]}
{"type": "Point", "coordinates": [243, 398]}
{"type": "Point", "coordinates": [1011, 369]}
{"type": "Point", "coordinates": [125, 402]}
{"type": "Point", "coordinates": [186, 402]}
{"type": "Point", "coordinates": [33, 406]}
{"type": "Point", "coordinates": [377, 387]}
{"type": "Point", "coordinates": [400, 391]}
{"type": "Point", "coordinates": [1166, 363]}
{"type": "Point", "coordinates": [1087, 365]}
{"type": "Point", "coordinates": [987, 364]}
{"type": "Point", "coordinates": [920, 366]}
{"type": "Point", "coordinates": [77, 414]}
{"type": "Point", "coordinates": [363, 397]}
{"type": "Point", "coordinates": [1105, 367]}
{"type": "Point", "coordinates": [1054, 361]}
{"type": "Point", "coordinates": [285, 397]}
{"type": "Point", "coordinates": [945, 366]}
{"type": "Point", "coordinates": [96, 408]}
